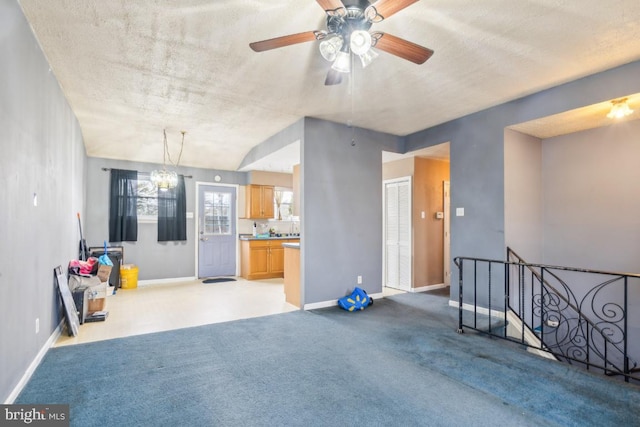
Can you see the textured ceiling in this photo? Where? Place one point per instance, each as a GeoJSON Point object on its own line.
{"type": "Point", "coordinates": [588, 117]}
{"type": "Point", "coordinates": [130, 69]}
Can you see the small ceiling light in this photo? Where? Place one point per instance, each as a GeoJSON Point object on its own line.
{"type": "Point", "coordinates": [360, 42]}
{"type": "Point", "coordinates": [329, 48]}
{"type": "Point", "coordinates": [619, 109]}
{"type": "Point", "coordinates": [368, 57]}
{"type": "Point", "coordinates": [342, 63]}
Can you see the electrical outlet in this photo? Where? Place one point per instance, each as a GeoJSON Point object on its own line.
{"type": "Point", "coordinates": [37, 325]}
{"type": "Point", "coordinates": [359, 280]}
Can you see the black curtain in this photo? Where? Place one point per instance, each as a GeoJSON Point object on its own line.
{"type": "Point", "coordinates": [123, 217]}
{"type": "Point", "coordinates": [172, 213]}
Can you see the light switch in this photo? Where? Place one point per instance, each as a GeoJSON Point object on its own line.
{"type": "Point", "coordinates": [459, 211]}
{"type": "Point", "coordinates": [190, 215]}
{"type": "Point", "coordinates": [422, 215]}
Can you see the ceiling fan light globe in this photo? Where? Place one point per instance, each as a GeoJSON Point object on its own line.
{"type": "Point", "coordinates": [342, 63]}
{"type": "Point", "coordinates": [368, 57]}
{"type": "Point", "coordinates": [360, 42]}
{"type": "Point", "coordinates": [329, 48]}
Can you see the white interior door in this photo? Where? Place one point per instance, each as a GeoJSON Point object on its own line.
{"type": "Point", "coordinates": [397, 233]}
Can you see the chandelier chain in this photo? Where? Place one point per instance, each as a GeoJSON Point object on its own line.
{"type": "Point", "coordinates": [167, 154]}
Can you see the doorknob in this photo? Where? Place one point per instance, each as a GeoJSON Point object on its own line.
{"type": "Point", "coordinates": [204, 239]}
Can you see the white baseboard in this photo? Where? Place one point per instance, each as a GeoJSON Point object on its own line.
{"type": "Point", "coordinates": [321, 304]}
{"type": "Point", "coordinates": [481, 310]}
{"type": "Point", "coordinates": [34, 364]}
{"type": "Point", "coordinates": [429, 288]}
{"type": "Point", "coordinates": [151, 282]}
{"type": "Point", "coordinates": [377, 296]}
{"type": "Point", "coordinates": [332, 303]}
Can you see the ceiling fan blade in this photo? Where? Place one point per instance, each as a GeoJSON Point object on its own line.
{"type": "Point", "coordinates": [333, 78]}
{"type": "Point", "coordinates": [382, 9]}
{"type": "Point", "coordinates": [401, 47]}
{"type": "Point", "coordinates": [283, 41]}
{"type": "Point", "coordinates": [333, 7]}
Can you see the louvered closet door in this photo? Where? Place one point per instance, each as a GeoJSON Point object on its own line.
{"type": "Point", "coordinates": [398, 233]}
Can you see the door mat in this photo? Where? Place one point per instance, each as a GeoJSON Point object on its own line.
{"type": "Point", "coordinates": [219, 279]}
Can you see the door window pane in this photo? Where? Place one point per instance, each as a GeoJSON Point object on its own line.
{"type": "Point", "coordinates": [217, 213]}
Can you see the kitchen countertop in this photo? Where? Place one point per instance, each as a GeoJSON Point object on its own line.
{"type": "Point", "coordinates": [250, 237]}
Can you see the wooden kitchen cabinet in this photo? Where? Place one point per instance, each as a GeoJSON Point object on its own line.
{"type": "Point", "coordinates": [259, 201]}
{"type": "Point", "coordinates": [263, 259]}
{"type": "Point", "coordinates": [276, 259]}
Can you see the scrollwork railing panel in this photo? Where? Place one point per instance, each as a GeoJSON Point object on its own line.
{"type": "Point", "coordinates": [580, 316]}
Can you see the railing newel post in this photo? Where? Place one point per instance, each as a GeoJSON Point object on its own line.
{"type": "Point", "coordinates": [475, 293]}
{"type": "Point", "coordinates": [626, 307]}
{"type": "Point", "coordinates": [506, 294]}
{"type": "Point", "coordinates": [489, 302]}
{"type": "Point", "coordinates": [460, 272]}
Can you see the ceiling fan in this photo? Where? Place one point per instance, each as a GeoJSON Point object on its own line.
{"type": "Point", "coordinates": [347, 33]}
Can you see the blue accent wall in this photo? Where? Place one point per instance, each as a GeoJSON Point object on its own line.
{"type": "Point", "coordinates": [43, 159]}
{"type": "Point", "coordinates": [477, 155]}
{"type": "Point", "coordinates": [341, 211]}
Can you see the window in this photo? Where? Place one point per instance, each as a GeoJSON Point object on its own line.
{"type": "Point", "coordinates": [285, 199]}
{"type": "Point", "coordinates": [217, 213]}
{"type": "Point", "coordinates": [147, 205]}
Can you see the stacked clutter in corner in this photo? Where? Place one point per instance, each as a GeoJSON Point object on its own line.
{"type": "Point", "coordinates": [89, 285]}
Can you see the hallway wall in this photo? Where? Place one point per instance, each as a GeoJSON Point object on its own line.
{"type": "Point", "coordinates": [42, 176]}
{"type": "Point", "coordinates": [523, 195]}
{"type": "Point", "coordinates": [591, 198]}
{"type": "Point", "coordinates": [477, 157]}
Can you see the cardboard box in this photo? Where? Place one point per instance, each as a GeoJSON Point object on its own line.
{"type": "Point", "coordinates": [97, 297]}
{"type": "Point", "coordinates": [97, 304]}
{"type": "Point", "coordinates": [104, 271]}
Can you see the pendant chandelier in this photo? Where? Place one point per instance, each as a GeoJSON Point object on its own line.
{"type": "Point", "coordinates": [165, 179]}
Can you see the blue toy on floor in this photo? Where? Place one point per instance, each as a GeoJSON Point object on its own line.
{"type": "Point", "coordinates": [358, 300]}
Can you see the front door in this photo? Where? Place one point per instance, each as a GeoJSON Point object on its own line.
{"type": "Point", "coordinates": [216, 231]}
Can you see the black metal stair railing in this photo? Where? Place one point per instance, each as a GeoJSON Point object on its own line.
{"type": "Point", "coordinates": [587, 322]}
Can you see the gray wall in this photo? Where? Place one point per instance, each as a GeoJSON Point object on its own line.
{"type": "Point", "coordinates": [287, 136]}
{"type": "Point", "coordinates": [591, 182]}
{"type": "Point", "coordinates": [341, 212]}
{"type": "Point", "coordinates": [477, 156]}
{"type": "Point", "coordinates": [523, 195]}
{"type": "Point", "coordinates": [155, 260]}
{"type": "Point", "coordinates": [42, 153]}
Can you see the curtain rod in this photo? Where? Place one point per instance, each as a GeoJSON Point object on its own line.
{"type": "Point", "coordinates": [108, 169]}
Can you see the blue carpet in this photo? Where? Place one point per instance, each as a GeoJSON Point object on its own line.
{"type": "Point", "coordinates": [398, 363]}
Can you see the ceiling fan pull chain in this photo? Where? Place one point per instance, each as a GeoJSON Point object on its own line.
{"type": "Point", "coordinates": [351, 85]}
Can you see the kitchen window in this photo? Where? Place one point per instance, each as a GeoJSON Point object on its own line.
{"type": "Point", "coordinates": [147, 206]}
{"type": "Point", "coordinates": [283, 204]}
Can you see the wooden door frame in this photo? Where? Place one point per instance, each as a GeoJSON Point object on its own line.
{"type": "Point", "coordinates": [196, 223]}
{"type": "Point", "coordinates": [446, 194]}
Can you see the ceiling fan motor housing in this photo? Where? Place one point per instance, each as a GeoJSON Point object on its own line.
{"type": "Point", "coordinates": [353, 20]}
